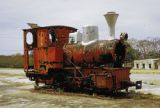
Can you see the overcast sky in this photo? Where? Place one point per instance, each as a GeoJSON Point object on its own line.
{"type": "Point", "coordinates": [139, 18]}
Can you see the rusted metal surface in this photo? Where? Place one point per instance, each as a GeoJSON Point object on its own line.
{"type": "Point", "coordinates": [98, 53]}
{"type": "Point", "coordinates": [51, 60]}
{"type": "Point", "coordinates": [46, 53]}
{"type": "Point", "coordinates": [109, 78]}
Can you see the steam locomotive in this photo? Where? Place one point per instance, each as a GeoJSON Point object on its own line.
{"type": "Point", "coordinates": [53, 60]}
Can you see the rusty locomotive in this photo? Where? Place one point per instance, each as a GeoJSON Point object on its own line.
{"type": "Point", "coordinates": [52, 60]}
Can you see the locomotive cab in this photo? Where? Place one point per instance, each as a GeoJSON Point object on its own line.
{"type": "Point", "coordinates": [43, 49]}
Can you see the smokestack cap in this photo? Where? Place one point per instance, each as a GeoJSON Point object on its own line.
{"type": "Point", "coordinates": [111, 18]}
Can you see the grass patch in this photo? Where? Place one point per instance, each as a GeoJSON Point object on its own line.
{"type": "Point", "coordinates": [153, 82]}
{"type": "Point", "coordinates": [132, 91]}
{"type": "Point", "coordinates": [138, 95]}
{"type": "Point", "coordinates": [141, 71]}
{"type": "Point", "coordinates": [9, 74]}
{"type": "Point", "coordinates": [11, 68]}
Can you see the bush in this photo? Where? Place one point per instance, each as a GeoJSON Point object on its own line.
{"type": "Point", "coordinates": [12, 61]}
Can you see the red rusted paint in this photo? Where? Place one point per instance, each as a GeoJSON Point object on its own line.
{"type": "Point", "coordinates": [103, 81]}
{"type": "Point", "coordinates": [46, 53]}
{"type": "Point", "coordinates": [90, 56]}
{"type": "Point", "coordinates": [54, 59]}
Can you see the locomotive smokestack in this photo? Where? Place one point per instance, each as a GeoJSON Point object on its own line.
{"type": "Point", "coordinates": [111, 18]}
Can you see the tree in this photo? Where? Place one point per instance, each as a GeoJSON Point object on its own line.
{"type": "Point", "coordinates": [146, 48]}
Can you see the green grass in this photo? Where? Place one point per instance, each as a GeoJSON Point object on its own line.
{"type": "Point", "coordinates": [10, 74]}
{"type": "Point", "coordinates": [11, 68]}
{"type": "Point", "coordinates": [141, 71]}
{"type": "Point", "coordinates": [153, 82]}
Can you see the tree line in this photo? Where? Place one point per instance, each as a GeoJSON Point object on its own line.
{"type": "Point", "coordinates": [11, 61]}
{"type": "Point", "coordinates": [144, 49]}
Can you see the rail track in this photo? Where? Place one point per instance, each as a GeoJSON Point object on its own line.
{"type": "Point", "coordinates": [99, 95]}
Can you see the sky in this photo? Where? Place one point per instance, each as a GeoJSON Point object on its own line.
{"type": "Point", "coordinates": [139, 18]}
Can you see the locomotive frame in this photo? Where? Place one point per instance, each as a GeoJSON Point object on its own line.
{"type": "Point", "coordinates": [45, 62]}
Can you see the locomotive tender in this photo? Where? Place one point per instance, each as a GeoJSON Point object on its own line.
{"type": "Point", "coordinates": [53, 60]}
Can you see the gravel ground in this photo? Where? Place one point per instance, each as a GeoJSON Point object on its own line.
{"type": "Point", "coordinates": [151, 83]}
{"type": "Point", "coordinates": [16, 91]}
